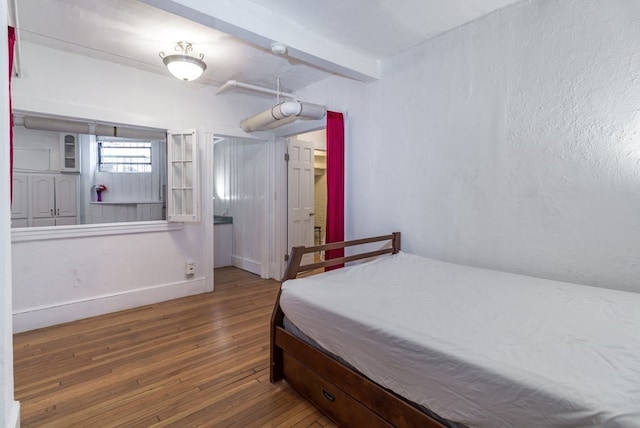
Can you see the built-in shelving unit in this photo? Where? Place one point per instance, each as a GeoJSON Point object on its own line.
{"type": "Point", "coordinates": [182, 180]}
{"type": "Point", "coordinates": [69, 153]}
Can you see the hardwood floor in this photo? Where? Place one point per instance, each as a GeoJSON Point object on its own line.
{"type": "Point", "coordinates": [197, 361]}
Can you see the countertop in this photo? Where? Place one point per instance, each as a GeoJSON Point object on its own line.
{"type": "Point", "coordinates": [222, 219]}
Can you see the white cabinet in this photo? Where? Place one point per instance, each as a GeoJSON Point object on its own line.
{"type": "Point", "coordinates": [66, 189]}
{"type": "Point", "coordinates": [20, 201]}
{"type": "Point", "coordinates": [69, 153]}
{"type": "Point", "coordinates": [37, 222]}
{"type": "Point", "coordinates": [20, 222]}
{"type": "Point", "coordinates": [54, 200]}
{"type": "Point", "coordinates": [222, 245]}
{"type": "Point", "coordinates": [42, 196]}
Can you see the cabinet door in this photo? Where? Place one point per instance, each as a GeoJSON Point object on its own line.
{"type": "Point", "coordinates": [222, 245]}
{"type": "Point", "coordinates": [66, 195]}
{"type": "Point", "coordinates": [42, 196]}
{"type": "Point", "coordinates": [69, 153]}
{"type": "Point", "coordinates": [20, 203]}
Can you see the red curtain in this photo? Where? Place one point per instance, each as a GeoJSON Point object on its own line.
{"type": "Point", "coordinates": [335, 184]}
{"type": "Point", "coordinates": [12, 42]}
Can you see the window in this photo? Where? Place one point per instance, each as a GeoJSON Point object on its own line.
{"type": "Point", "coordinates": [124, 156]}
{"type": "Point", "coordinates": [151, 175]}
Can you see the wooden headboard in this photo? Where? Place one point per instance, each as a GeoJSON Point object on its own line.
{"type": "Point", "coordinates": [295, 258]}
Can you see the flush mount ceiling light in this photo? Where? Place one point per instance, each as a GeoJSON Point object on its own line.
{"type": "Point", "coordinates": [183, 65]}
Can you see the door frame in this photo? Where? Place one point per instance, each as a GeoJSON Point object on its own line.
{"type": "Point", "coordinates": [206, 198]}
{"type": "Point", "coordinates": [209, 195]}
{"type": "Point", "coordinates": [279, 208]}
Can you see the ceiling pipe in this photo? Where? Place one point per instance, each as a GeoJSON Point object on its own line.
{"type": "Point", "coordinates": [281, 114]}
{"type": "Point", "coordinates": [61, 125]}
{"type": "Point", "coordinates": [231, 84]}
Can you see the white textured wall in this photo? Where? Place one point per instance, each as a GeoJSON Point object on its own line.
{"type": "Point", "coordinates": [64, 279]}
{"type": "Point", "coordinates": [511, 143]}
{"type": "Point", "coordinates": [71, 85]}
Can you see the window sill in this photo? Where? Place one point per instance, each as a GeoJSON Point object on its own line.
{"type": "Point", "coordinates": [24, 234]}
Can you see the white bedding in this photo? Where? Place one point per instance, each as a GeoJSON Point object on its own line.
{"type": "Point", "coordinates": [480, 347]}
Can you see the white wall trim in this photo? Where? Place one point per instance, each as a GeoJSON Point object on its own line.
{"type": "Point", "coordinates": [87, 230]}
{"type": "Point", "coordinates": [279, 216]}
{"type": "Point", "coordinates": [266, 225]}
{"type": "Point", "coordinates": [246, 264]}
{"type": "Point", "coordinates": [207, 205]}
{"type": "Point", "coordinates": [43, 316]}
{"type": "Point", "coordinates": [14, 416]}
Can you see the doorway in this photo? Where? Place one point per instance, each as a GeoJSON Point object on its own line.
{"type": "Point", "coordinates": [240, 188]}
{"type": "Point", "coordinates": [307, 191]}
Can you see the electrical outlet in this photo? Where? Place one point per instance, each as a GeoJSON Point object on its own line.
{"type": "Point", "coordinates": [190, 269]}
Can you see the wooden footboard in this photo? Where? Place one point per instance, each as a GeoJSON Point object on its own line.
{"type": "Point", "coordinates": [346, 396]}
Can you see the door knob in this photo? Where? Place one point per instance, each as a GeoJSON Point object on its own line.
{"type": "Point", "coordinates": [311, 214]}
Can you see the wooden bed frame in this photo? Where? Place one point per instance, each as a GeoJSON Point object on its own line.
{"type": "Point", "coordinates": [344, 395]}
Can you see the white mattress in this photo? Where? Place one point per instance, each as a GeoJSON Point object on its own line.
{"type": "Point", "coordinates": [480, 347]}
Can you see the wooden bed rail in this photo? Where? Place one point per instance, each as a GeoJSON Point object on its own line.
{"type": "Point", "coordinates": [295, 258]}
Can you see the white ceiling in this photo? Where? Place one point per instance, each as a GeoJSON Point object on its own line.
{"type": "Point", "coordinates": [346, 37]}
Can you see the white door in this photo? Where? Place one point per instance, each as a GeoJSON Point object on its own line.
{"type": "Point", "coordinates": [42, 196]}
{"type": "Point", "coordinates": [300, 195]}
{"type": "Point", "coordinates": [66, 196]}
{"type": "Point", "coordinates": [20, 204]}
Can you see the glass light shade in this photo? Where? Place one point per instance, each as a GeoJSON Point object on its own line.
{"type": "Point", "coordinates": [184, 67]}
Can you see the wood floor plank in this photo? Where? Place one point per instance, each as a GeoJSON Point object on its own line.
{"type": "Point", "coordinates": [197, 361]}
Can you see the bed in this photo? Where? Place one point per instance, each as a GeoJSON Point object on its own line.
{"type": "Point", "coordinates": [468, 347]}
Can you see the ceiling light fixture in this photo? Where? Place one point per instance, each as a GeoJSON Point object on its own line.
{"type": "Point", "coordinates": [182, 65]}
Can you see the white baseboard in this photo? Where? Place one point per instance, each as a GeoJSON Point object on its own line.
{"type": "Point", "coordinates": [246, 264]}
{"type": "Point", "coordinates": [38, 317]}
{"type": "Point", "coordinates": [13, 420]}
